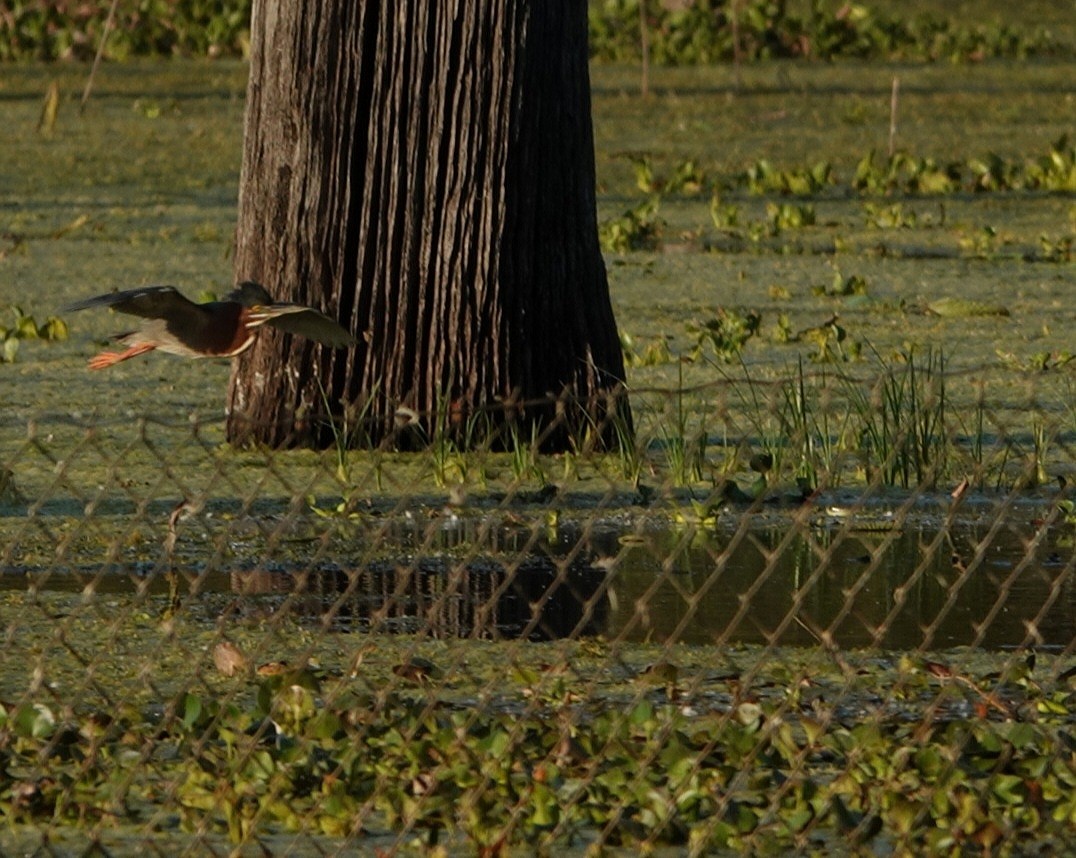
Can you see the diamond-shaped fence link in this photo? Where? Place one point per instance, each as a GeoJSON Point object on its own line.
{"type": "Point", "coordinates": [824, 612]}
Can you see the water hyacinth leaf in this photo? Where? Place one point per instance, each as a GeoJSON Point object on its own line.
{"type": "Point", "coordinates": [1009, 788]}
{"type": "Point", "coordinates": [989, 739]}
{"type": "Point", "coordinates": [325, 725]}
{"type": "Point", "coordinates": [642, 713]}
{"type": "Point", "coordinates": [525, 676]}
{"type": "Point", "coordinates": [546, 807]}
{"type": "Point", "coordinates": [799, 817]}
{"type": "Point", "coordinates": [34, 721]}
{"type": "Point", "coordinates": [930, 762]}
{"type": "Point", "coordinates": [293, 705]}
{"type": "Point", "coordinates": [54, 329]}
{"type": "Point", "coordinates": [637, 228]}
{"type": "Point", "coordinates": [1052, 707]}
{"type": "Point", "coordinates": [814, 729]}
{"type": "Point", "coordinates": [749, 714]}
{"type": "Point", "coordinates": [1022, 735]}
{"type": "Point", "coordinates": [743, 819]}
{"type": "Point", "coordinates": [25, 327]}
{"type": "Point", "coordinates": [497, 744]}
{"type": "Point", "coordinates": [192, 710]}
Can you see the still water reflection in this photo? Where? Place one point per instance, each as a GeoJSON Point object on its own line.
{"type": "Point", "coordinates": [899, 589]}
{"type": "Point", "coordinates": [913, 587]}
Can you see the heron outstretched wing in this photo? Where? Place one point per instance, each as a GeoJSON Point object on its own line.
{"type": "Point", "coordinates": [302, 321]}
{"type": "Point", "coordinates": [148, 302]}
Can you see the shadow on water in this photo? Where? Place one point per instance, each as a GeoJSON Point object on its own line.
{"type": "Point", "coordinates": [535, 598]}
{"type": "Point", "coordinates": [920, 587]}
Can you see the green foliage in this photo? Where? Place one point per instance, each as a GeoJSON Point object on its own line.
{"type": "Point", "coordinates": [725, 335]}
{"type": "Point", "coordinates": [723, 215]}
{"type": "Point", "coordinates": [894, 216]}
{"type": "Point", "coordinates": [763, 178]}
{"type": "Point", "coordinates": [815, 433]}
{"type": "Point", "coordinates": [688, 33]}
{"type": "Point", "coordinates": [831, 341]}
{"type": "Point", "coordinates": [524, 457]}
{"type": "Point", "coordinates": [1056, 249]}
{"type": "Point", "coordinates": [906, 174]}
{"type": "Point", "coordinates": [842, 286]}
{"type": "Point", "coordinates": [638, 228]}
{"type": "Point", "coordinates": [982, 243]}
{"type": "Point", "coordinates": [686, 177]}
{"type": "Point", "coordinates": [298, 754]}
{"type": "Point", "coordinates": [904, 440]}
{"type": "Point", "coordinates": [900, 174]}
{"type": "Point", "coordinates": [654, 353]}
{"type": "Point", "coordinates": [694, 33]}
{"type": "Point", "coordinates": [782, 216]}
{"type": "Point", "coordinates": [701, 32]}
{"type": "Point", "coordinates": [1054, 171]}
{"type": "Point", "coordinates": [25, 328]}
{"type": "Point", "coordinates": [66, 29]}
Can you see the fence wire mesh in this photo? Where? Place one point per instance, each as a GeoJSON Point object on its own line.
{"type": "Point", "coordinates": [820, 612]}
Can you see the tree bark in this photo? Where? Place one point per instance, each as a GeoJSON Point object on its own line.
{"type": "Point", "coordinates": [424, 171]}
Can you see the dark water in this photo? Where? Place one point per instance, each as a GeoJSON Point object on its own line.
{"type": "Point", "coordinates": [902, 590]}
{"type": "Point", "coordinates": [926, 587]}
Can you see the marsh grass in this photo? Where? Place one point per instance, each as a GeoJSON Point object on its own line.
{"type": "Point", "coordinates": [976, 437]}
{"type": "Point", "coordinates": [350, 430]}
{"type": "Point", "coordinates": [816, 433]}
{"type": "Point", "coordinates": [629, 454]}
{"type": "Point", "coordinates": [685, 454]}
{"type": "Point", "coordinates": [818, 428]}
{"type": "Point", "coordinates": [814, 427]}
{"type": "Point", "coordinates": [1043, 435]}
{"type": "Point", "coordinates": [446, 461]}
{"type": "Point", "coordinates": [902, 434]}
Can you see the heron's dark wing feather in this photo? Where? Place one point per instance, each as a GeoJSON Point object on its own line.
{"type": "Point", "coordinates": [304, 322]}
{"type": "Point", "coordinates": [149, 302]}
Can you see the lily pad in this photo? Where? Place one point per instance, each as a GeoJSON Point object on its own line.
{"type": "Point", "coordinates": [951, 307]}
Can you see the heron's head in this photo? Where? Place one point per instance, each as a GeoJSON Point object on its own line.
{"type": "Point", "coordinates": [249, 294]}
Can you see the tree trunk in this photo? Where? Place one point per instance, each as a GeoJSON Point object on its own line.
{"type": "Point", "coordinates": [424, 171]}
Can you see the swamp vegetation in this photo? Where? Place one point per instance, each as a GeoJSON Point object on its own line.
{"type": "Point", "coordinates": [823, 601]}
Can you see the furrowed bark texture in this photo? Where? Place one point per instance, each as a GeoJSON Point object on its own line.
{"type": "Point", "coordinates": [424, 171]}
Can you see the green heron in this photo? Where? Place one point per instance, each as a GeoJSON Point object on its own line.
{"type": "Point", "coordinates": [216, 329]}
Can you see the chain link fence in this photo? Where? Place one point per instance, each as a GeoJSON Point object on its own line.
{"type": "Point", "coordinates": [835, 614]}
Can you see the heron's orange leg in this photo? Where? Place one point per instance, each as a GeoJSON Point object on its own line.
{"type": "Point", "coordinates": [106, 359]}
